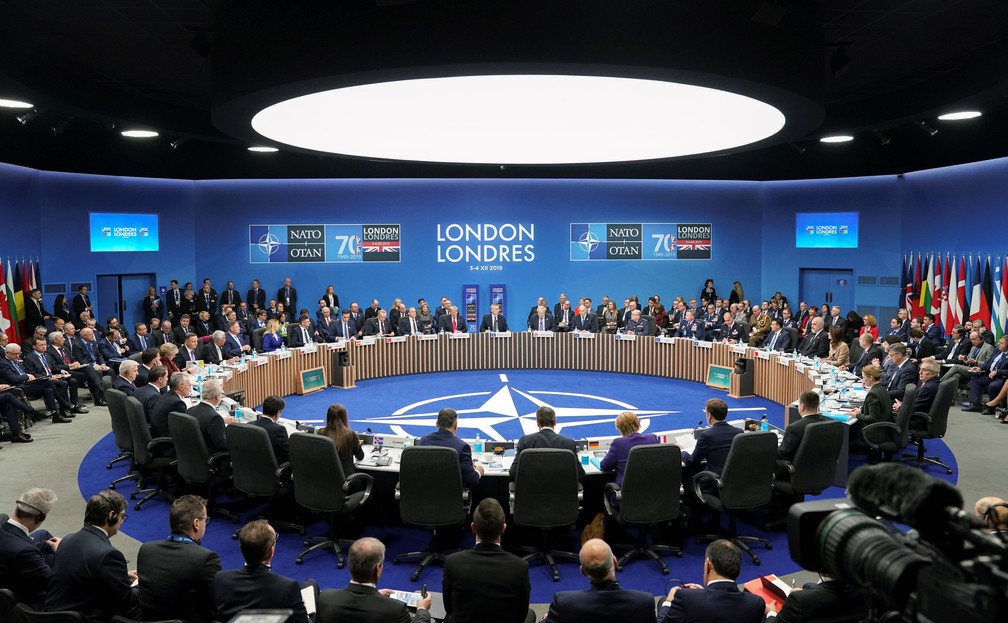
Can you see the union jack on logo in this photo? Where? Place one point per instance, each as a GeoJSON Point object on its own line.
{"type": "Point", "coordinates": [693, 245]}
{"type": "Point", "coordinates": [371, 246]}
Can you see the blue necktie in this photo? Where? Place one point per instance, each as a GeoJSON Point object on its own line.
{"type": "Point", "coordinates": [90, 352]}
{"type": "Point", "coordinates": [45, 364]}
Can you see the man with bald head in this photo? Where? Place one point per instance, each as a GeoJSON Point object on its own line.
{"type": "Point", "coordinates": [604, 598]}
{"type": "Point", "coordinates": [816, 342]}
{"type": "Point", "coordinates": [994, 512]}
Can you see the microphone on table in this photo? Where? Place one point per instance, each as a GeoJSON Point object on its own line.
{"type": "Point", "coordinates": [698, 429]}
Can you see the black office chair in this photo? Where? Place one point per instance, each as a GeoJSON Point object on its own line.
{"type": "Point", "coordinates": [121, 432]}
{"type": "Point", "coordinates": [547, 496]}
{"type": "Point", "coordinates": [420, 504]}
{"type": "Point", "coordinates": [647, 499]}
{"type": "Point", "coordinates": [146, 453]}
{"type": "Point", "coordinates": [106, 382]}
{"type": "Point", "coordinates": [256, 472]}
{"type": "Point", "coordinates": [745, 483]}
{"type": "Point", "coordinates": [23, 613]}
{"type": "Point", "coordinates": [932, 425]}
{"type": "Point", "coordinates": [320, 486]}
{"type": "Point", "coordinates": [896, 439]}
{"type": "Point", "coordinates": [813, 468]}
{"type": "Point", "coordinates": [257, 339]}
{"type": "Point", "coordinates": [121, 619]}
{"type": "Point", "coordinates": [137, 357]}
{"type": "Point", "coordinates": [652, 325]}
{"type": "Point", "coordinates": [7, 602]}
{"type": "Point", "coordinates": [793, 335]}
{"type": "Point", "coordinates": [196, 464]}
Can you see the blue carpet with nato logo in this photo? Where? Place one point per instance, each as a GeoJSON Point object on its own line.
{"type": "Point", "coordinates": [498, 405]}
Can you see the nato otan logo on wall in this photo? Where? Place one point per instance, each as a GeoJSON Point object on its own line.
{"type": "Point", "coordinates": [331, 244]}
{"type": "Point", "coordinates": [640, 241]}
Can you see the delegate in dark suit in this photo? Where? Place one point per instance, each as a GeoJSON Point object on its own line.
{"type": "Point", "coordinates": [359, 603]}
{"type": "Point", "coordinates": [287, 296]}
{"type": "Point", "coordinates": [372, 326]}
{"type": "Point", "coordinates": [998, 365]}
{"type": "Point", "coordinates": [81, 302]}
{"type": "Point", "coordinates": [140, 343]}
{"type": "Point", "coordinates": [875, 352]}
{"type": "Point", "coordinates": [13, 374]}
{"type": "Point", "coordinates": [540, 324]}
{"type": "Point", "coordinates": [256, 587]}
{"type": "Point", "coordinates": [603, 601]}
{"type": "Point", "coordinates": [444, 438]}
{"type": "Point", "coordinates": [211, 425]}
{"type": "Point", "coordinates": [124, 385]}
{"type": "Point", "coordinates": [815, 345]}
{"type": "Point", "coordinates": [588, 322]}
{"type": "Point", "coordinates": [546, 438]}
{"type": "Point", "coordinates": [206, 301]}
{"type": "Point", "coordinates": [877, 408]}
{"type": "Point", "coordinates": [901, 377]}
{"type": "Point", "coordinates": [23, 569]}
{"type": "Point", "coordinates": [485, 584]}
{"type": "Point", "coordinates": [147, 395]}
{"type": "Point", "coordinates": [90, 577]}
{"type": "Point", "coordinates": [719, 602]}
{"type": "Point", "coordinates": [66, 387]}
{"type": "Point", "coordinates": [445, 324]}
{"type": "Point", "coordinates": [489, 323]}
{"type": "Point", "coordinates": [278, 438]}
{"type": "Point", "coordinates": [921, 350]}
{"type": "Point", "coordinates": [168, 403]}
{"type": "Point", "coordinates": [779, 340]}
{"type": "Point", "coordinates": [712, 445]}
{"type": "Point", "coordinates": [256, 299]}
{"type": "Point", "coordinates": [925, 396]}
{"type": "Point", "coordinates": [35, 314]}
{"type": "Point", "coordinates": [233, 345]}
{"type": "Point", "coordinates": [211, 353]}
{"type": "Point", "coordinates": [830, 601]}
{"type": "Point", "coordinates": [176, 580]}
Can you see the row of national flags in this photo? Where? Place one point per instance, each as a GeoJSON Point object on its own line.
{"type": "Point", "coordinates": [17, 280]}
{"type": "Point", "coordinates": [957, 289]}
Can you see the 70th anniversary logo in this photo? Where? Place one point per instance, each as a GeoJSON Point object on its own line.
{"type": "Point", "coordinates": [640, 241]}
{"type": "Point", "coordinates": [323, 243]}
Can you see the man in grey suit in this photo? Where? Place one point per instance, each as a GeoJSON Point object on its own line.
{"type": "Point", "coordinates": [546, 437]}
{"type": "Point", "coordinates": [361, 601]}
{"type": "Point", "coordinates": [177, 574]}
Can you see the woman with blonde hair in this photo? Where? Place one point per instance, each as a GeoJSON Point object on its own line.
{"type": "Point", "coordinates": [870, 326]}
{"type": "Point", "coordinates": [629, 427]}
{"type": "Point", "coordinates": [167, 352]}
{"type": "Point", "coordinates": [272, 340]}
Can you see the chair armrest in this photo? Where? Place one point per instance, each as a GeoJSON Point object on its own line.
{"type": "Point", "coordinates": [217, 457]}
{"type": "Point", "coordinates": [704, 474]}
{"type": "Point", "coordinates": [397, 490]}
{"type": "Point", "coordinates": [284, 473]}
{"type": "Point", "coordinates": [369, 481]}
{"type": "Point", "coordinates": [920, 414]}
{"type": "Point", "coordinates": [876, 425]}
{"type": "Point", "coordinates": [786, 465]}
{"type": "Point", "coordinates": [580, 492]}
{"type": "Point", "coordinates": [158, 443]}
{"type": "Point", "coordinates": [614, 489]}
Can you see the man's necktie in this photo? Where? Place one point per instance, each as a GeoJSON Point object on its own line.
{"type": "Point", "coordinates": [63, 356]}
{"type": "Point", "coordinates": [773, 342]}
{"type": "Point", "coordinates": [454, 324]}
{"type": "Point", "coordinates": [45, 364]}
{"type": "Point", "coordinates": [220, 355]}
{"type": "Point", "coordinates": [346, 331]}
{"type": "Point", "coordinates": [143, 342]}
{"type": "Point", "coordinates": [18, 367]}
{"type": "Point", "coordinates": [381, 328]}
{"type": "Point", "coordinates": [412, 323]}
{"type": "Point", "coordinates": [192, 355]}
{"type": "Point", "coordinates": [494, 323]}
{"type": "Point", "coordinates": [542, 324]}
{"type": "Point", "coordinates": [304, 334]}
{"type": "Point", "coordinates": [90, 351]}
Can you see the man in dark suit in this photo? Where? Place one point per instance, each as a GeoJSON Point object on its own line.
{"type": "Point", "coordinates": [258, 322]}
{"type": "Point", "coordinates": [236, 344]}
{"type": "Point", "coordinates": [927, 389]}
{"type": "Point", "coordinates": [140, 341]}
{"type": "Point", "coordinates": [179, 386]}
{"type": "Point", "coordinates": [288, 296]}
{"type": "Point", "coordinates": [836, 320]}
{"type": "Point", "coordinates": [541, 321]}
{"type": "Point", "coordinates": [346, 328]}
{"type": "Point", "coordinates": [24, 562]}
{"type": "Point", "coordinates": [920, 347]}
{"type": "Point", "coordinates": [933, 331]}
{"type": "Point", "coordinates": [39, 364]}
{"type": "Point", "coordinates": [445, 436]}
{"type": "Point", "coordinates": [256, 297]}
{"type": "Point", "coordinates": [206, 299]}
{"type": "Point", "coordinates": [546, 437]}
{"type": "Point", "coordinates": [148, 394]}
{"type": "Point", "coordinates": [869, 352]}
{"type": "Point", "coordinates": [255, 586]}
{"type": "Point", "coordinates": [35, 313]}
{"type": "Point", "coordinates": [211, 423]}
{"type": "Point", "coordinates": [111, 347]}
{"type": "Point", "coordinates": [230, 296]}
{"type": "Point", "coordinates": [830, 601]}
{"type": "Point", "coordinates": [358, 317]}
{"type": "Point", "coordinates": [173, 301]}
{"type": "Point", "coordinates": [559, 306]}
{"type": "Point", "coordinates": [409, 325]}
{"type": "Point", "coordinates": [585, 320]}
{"type": "Point", "coordinates": [303, 334]}
{"type": "Point", "coordinates": [13, 373]}
{"type": "Point", "coordinates": [486, 579]}
{"type": "Point", "coordinates": [601, 309]}
{"type": "Point", "coordinates": [326, 325]}
{"type": "Point", "coordinates": [85, 352]}
{"type": "Point", "coordinates": [372, 311]}
{"type": "Point", "coordinates": [494, 321]}
{"type": "Point", "coordinates": [712, 446]}
{"type": "Point", "coordinates": [958, 344]}
{"type": "Point", "coordinates": [215, 351]}
{"type": "Point", "coordinates": [148, 359]}
{"type": "Point", "coordinates": [89, 574]}
{"type": "Point", "coordinates": [361, 601]}
{"type": "Point", "coordinates": [605, 599]}
{"type": "Point", "coordinates": [991, 379]}
{"type": "Point", "coordinates": [177, 573]}
{"type": "Point", "coordinates": [183, 329]}
{"type": "Point", "coordinates": [125, 382]}
{"type": "Point", "coordinates": [778, 338]}
{"type": "Point", "coordinates": [379, 325]}
{"type": "Point", "coordinates": [451, 323]}
{"type": "Point", "coordinates": [720, 601]}
{"type": "Point", "coordinates": [816, 342]}
{"type": "Point", "coordinates": [902, 373]}
{"type": "Point", "coordinates": [81, 303]}
{"type": "Point", "coordinates": [273, 407]}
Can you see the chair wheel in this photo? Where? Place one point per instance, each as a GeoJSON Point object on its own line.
{"type": "Point", "coordinates": [395, 561]}
{"type": "Point", "coordinates": [678, 554]}
{"type": "Point", "coordinates": [619, 568]}
{"type": "Point", "coordinates": [755, 560]}
{"type": "Point", "coordinates": [298, 560]}
{"type": "Point", "coordinates": [414, 577]}
{"type": "Point", "coordinates": [235, 519]}
{"type": "Point", "coordinates": [769, 545]}
{"type": "Point", "coordinates": [111, 487]}
{"type": "Point", "coordinates": [302, 532]}
{"type": "Point", "coordinates": [136, 506]}
{"type": "Point", "coordinates": [307, 542]}
{"type": "Point", "coordinates": [949, 471]}
{"type": "Point", "coordinates": [133, 496]}
{"type": "Point", "coordinates": [664, 571]}
{"type": "Point", "coordinates": [339, 565]}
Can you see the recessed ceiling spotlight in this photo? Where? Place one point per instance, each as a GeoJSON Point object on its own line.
{"type": "Point", "coordinates": [960, 115]}
{"type": "Point", "coordinates": [262, 149]}
{"type": "Point", "coordinates": [837, 138]}
{"type": "Point", "coordinates": [520, 119]}
{"type": "Point", "coordinates": [4, 103]}
{"type": "Point", "coordinates": [139, 133]}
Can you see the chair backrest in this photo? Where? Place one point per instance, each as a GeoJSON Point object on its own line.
{"type": "Point", "coordinates": [420, 503]}
{"type": "Point", "coordinates": [793, 335]}
{"type": "Point", "coordinates": [940, 409]}
{"type": "Point", "coordinates": [252, 459]}
{"type": "Point", "coordinates": [546, 488]}
{"type": "Point", "coordinates": [652, 325]}
{"type": "Point", "coordinates": [139, 430]}
{"type": "Point", "coordinates": [748, 474]}
{"type": "Point", "coordinates": [106, 382]}
{"type": "Point", "coordinates": [815, 460]}
{"type": "Point", "coordinates": [190, 447]}
{"type": "Point", "coordinates": [318, 473]}
{"type": "Point", "coordinates": [120, 423]}
{"type": "Point", "coordinates": [121, 619]}
{"type": "Point", "coordinates": [7, 602]}
{"type": "Point", "coordinates": [257, 338]}
{"type": "Point", "coordinates": [650, 489]}
{"type": "Point", "coordinates": [903, 416]}
{"type": "Point", "coordinates": [23, 613]}
{"type": "Point", "coordinates": [137, 357]}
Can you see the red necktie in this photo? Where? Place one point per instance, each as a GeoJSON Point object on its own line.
{"type": "Point", "coordinates": [454, 324]}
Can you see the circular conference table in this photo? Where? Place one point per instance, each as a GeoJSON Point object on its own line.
{"type": "Point", "coordinates": [775, 377]}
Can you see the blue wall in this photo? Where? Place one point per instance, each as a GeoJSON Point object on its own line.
{"type": "Point", "coordinates": [204, 229]}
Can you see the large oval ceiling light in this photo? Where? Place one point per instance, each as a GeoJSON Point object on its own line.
{"type": "Point", "coordinates": [6, 103]}
{"type": "Point", "coordinates": [960, 116]}
{"type": "Point", "coordinates": [139, 133]}
{"type": "Point", "coordinates": [520, 119]}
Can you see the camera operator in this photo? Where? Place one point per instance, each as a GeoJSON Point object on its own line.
{"type": "Point", "coordinates": [829, 601]}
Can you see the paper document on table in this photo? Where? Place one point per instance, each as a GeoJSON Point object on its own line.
{"type": "Point", "coordinates": [686, 442]}
{"type": "Point", "coordinates": [308, 595]}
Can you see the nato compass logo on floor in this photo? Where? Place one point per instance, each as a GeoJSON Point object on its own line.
{"type": "Point", "coordinates": [509, 413]}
